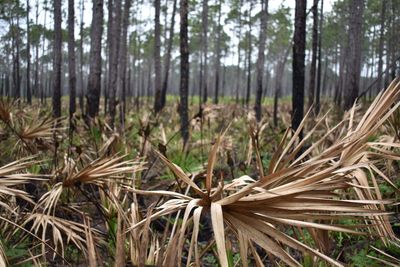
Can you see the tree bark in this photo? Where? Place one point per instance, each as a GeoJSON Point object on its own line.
{"type": "Point", "coordinates": [94, 80]}
{"type": "Point", "coordinates": [311, 87]}
{"type": "Point", "coordinates": [218, 55]}
{"type": "Point", "coordinates": [36, 82]}
{"type": "Point", "coordinates": [238, 80]}
{"type": "Point", "coordinates": [123, 56]}
{"type": "Point", "coordinates": [381, 42]}
{"type": "Point", "coordinates": [353, 69]}
{"type": "Point", "coordinates": [71, 57]}
{"type": "Point", "coordinates": [204, 71]}
{"type": "Point", "coordinates": [57, 60]}
{"type": "Point", "coordinates": [113, 59]}
{"type": "Point", "coordinates": [249, 49]}
{"type": "Point", "coordinates": [167, 61]}
{"type": "Point", "coordinates": [318, 93]}
{"type": "Point", "coordinates": [280, 69]}
{"type": "Point", "coordinates": [261, 58]}
{"type": "Point", "coordinates": [184, 77]}
{"type": "Point", "coordinates": [299, 47]}
{"type": "Point", "coordinates": [157, 57]}
{"type": "Point", "coordinates": [81, 86]}
{"type": "Point", "coordinates": [28, 56]}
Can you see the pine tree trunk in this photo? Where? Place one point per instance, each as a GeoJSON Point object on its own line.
{"type": "Point", "coordinates": [353, 70]}
{"type": "Point", "coordinates": [184, 77]}
{"type": "Point", "coordinates": [381, 42]}
{"type": "Point", "coordinates": [81, 86]}
{"type": "Point", "coordinates": [115, 36]}
{"type": "Point", "coordinates": [28, 56]}
{"type": "Point", "coordinates": [261, 58]}
{"type": "Point", "coordinates": [218, 57]}
{"type": "Point", "coordinates": [57, 60]}
{"type": "Point", "coordinates": [318, 91]}
{"type": "Point", "coordinates": [238, 79]}
{"type": "Point", "coordinates": [299, 47]}
{"type": "Point", "coordinates": [311, 87]}
{"type": "Point", "coordinates": [36, 85]}
{"type": "Point", "coordinates": [157, 57]}
{"type": "Point", "coordinates": [167, 61]}
{"type": "Point", "coordinates": [280, 69]}
{"type": "Point", "coordinates": [71, 57]}
{"type": "Point", "coordinates": [94, 80]}
{"type": "Point", "coordinates": [249, 51]}
{"type": "Point", "coordinates": [123, 56]}
{"type": "Point", "coordinates": [204, 36]}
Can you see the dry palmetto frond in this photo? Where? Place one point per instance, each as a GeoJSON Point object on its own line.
{"type": "Point", "coordinates": [12, 177]}
{"type": "Point", "coordinates": [97, 172]}
{"type": "Point", "coordinates": [300, 190]}
{"type": "Point", "coordinates": [62, 231]}
{"type": "Point", "coordinates": [35, 134]}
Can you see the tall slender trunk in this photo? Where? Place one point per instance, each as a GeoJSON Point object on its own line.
{"type": "Point", "coordinates": [36, 85]}
{"type": "Point", "coordinates": [71, 57]}
{"type": "Point", "coordinates": [157, 57]}
{"type": "Point", "coordinates": [299, 47]}
{"type": "Point", "coordinates": [353, 70]}
{"type": "Point", "coordinates": [218, 53]}
{"type": "Point", "coordinates": [28, 55]}
{"type": "Point", "coordinates": [280, 69]}
{"type": "Point", "coordinates": [184, 79]}
{"type": "Point", "coordinates": [57, 59]}
{"type": "Point", "coordinates": [167, 59]}
{"type": "Point", "coordinates": [311, 87]}
{"type": "Point", "coordinates": [261, 58]}
{"type": "Point", "coordinates": [94, 80]}
{"type": "Point", "coordinates": [81, 86]}
{"type": "Point", "coordinates": [381, 42]}
{"type": "Point", "coordinates": [249, 49]}
{"type": "Point", "coordinates": [204, 36]}
{"type": "Point", "coordinates": [123, 56]}
{"type": "Point", "coordinates": [318, 91]}
{"type": "Point", "coordinates": [238, 79]}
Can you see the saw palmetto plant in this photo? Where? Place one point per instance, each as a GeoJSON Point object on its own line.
{"type": "Point", "coordinates": [302, 191]}
{"type": "Point", "coordinates": [63, 198]}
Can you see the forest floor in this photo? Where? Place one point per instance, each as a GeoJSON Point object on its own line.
{"type": "Point", "coordinates": [69, 182]}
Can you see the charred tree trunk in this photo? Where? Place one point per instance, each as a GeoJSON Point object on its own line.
{"type": "Point", "coordinates": [353, 69]}
{"type": "Point", "coordinates": [318, 93]}
{"type": "Point", "coordinates": [28, 56]}
{"type": "Point", "coordinates": [167, 61]}
{"type": "Point", "coordinates": [204, 72]}
{"type": "Point", "coordinates": [311, 87]}
{"type": "Point", "coordinates": [299, 47]}
{"type": "Point", "coordinates": [57, 60]}
{"type": "Point", "coordinates": [115, 36]}
{"type": "Point", "coordinates": [94, 80]}
{"type": "Point", "coordinates": [157, 57]}
{"type": "Point", "coordinates": [218, 57]}
{"type": "Point", "coordinates": [261, 58]}
{"type": "Point", "coordinates": [238, 54]}
{"type": "Point", "coordinates": [81, 102]}
{"type": "Point", "coordinates": [71, 57]}
{"type": "Point", "coordinates": [381, 42]}
{"type": "Point", "coordinates": [184, 79]}
{"type": "Point", "coordinates": [123, 56]}
{"type": "Point", "coordinates": [249, 51]}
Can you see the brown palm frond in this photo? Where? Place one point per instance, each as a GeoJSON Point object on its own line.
{"type": "Point", "coordinates": [35, 134]}
{"type": "Point", "coordinates": [6, 110]}
{"type": "Point", "coordinates": [307, 191]}
{"type": "Point", "coordinates": [62, 231]}
{"type": "Point", "coordinates": [103, 168]}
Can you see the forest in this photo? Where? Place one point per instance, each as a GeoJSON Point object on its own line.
{"type": "Point", "coordinates": [199, 133]}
